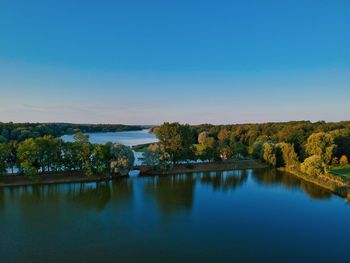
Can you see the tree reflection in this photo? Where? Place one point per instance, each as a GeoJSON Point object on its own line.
{"type": "Point", "coordinates": [90, 195]}
{"type": "Point", "coordinates": [224, 180]}
{"type": "Point", "coordinates": [314, 191]}
{"type": "Point", "coordinates": [272, 176]}
{"type": "Point", "coordinates": [172, 193]}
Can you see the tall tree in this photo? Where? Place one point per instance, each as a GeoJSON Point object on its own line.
{"type": "Point", "coordinates": [321, 144]}
{"type": "Point", "coordinates": [177, 140]}
{"type": "Point", "coordinates": [4, 156]}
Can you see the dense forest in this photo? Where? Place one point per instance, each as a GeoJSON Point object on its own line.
{"type": "Point", "coordinates": [297, 146]}
{"type": "Point", "coordinates": [21, 131]}
{"type": "Point", "coordinates": [300, 145]}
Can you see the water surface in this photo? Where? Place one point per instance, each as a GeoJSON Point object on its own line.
{"type": "Point", "coordinates": [129, 138]}
{"type": "Point", "coordinates": [237, 216]}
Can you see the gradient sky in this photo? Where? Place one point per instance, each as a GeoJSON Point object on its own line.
{"type": "Point", "coordinates": [145, 62]}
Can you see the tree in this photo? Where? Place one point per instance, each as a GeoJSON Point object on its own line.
{"type": "Point", "coordinates": [224, 136]}
{"type": "Point", "coordinates": [289, 158]}
{"type": "Point", "coordinates": [155, 158]}
{"type": "Point", "coordinates": [321, 144]}
{"type": "Point", "coordinates": [101, 157]}
{"type": "Point", "coordinates": [49, 151]}
{"type": "Point", "coordinates": [177, 140]}
{"type": "Point", "coordinates": [122, 159]}
{"type": "Point", "coordinates": [314, 166]}
{"type": "Point", "coordinates": [257, 150]}
{"type": "Point", "coordinates": [202, 137]}
{"type": "Point", "coordinates": [84, 154]}
{"type": "Point", "coordinates": [28, 155]}
{"type": "Point", "coordinates": [4, 156]}
{"type": "Point", "coordinates": [343, 160]}
{"type": "Point", "coordinates": [209, 150]}
{"type": "Point", "coordinates": [269, 154]}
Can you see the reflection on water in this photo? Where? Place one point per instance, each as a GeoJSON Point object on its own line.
{"type": "Point", "coordinates": [274, 177]}
{"type": "Point", "coordinates": [215, 216]}
{"type": "Point", "coordinates": [224, 180]}
{"type": "Point", "coordinates": [172, 193]}
{"type": "Point", "coordinates": [169, 192]}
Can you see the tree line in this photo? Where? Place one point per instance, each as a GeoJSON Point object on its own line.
{"type": "Point", "coordinates": [306, 146]}
{"type": "Point", "coordinates": [21, 131]}
{"type": "Point", "coordinates": [49, 154]}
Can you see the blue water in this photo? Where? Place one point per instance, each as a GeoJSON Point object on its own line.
{"type": "Point", "coordinates": [129, 138]}
{"type": "Point", "coordinates": [237, 216]}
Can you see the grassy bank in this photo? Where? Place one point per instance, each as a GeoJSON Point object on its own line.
{"type": "Point", "coordinates": [205, 167]}
{"type": "Point", "coordinates": [336, 184]}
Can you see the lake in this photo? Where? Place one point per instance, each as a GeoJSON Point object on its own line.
{"type": "Point", "coordinates": [129, 138]}
{"type": "Point", "coordinates": [233, 216]}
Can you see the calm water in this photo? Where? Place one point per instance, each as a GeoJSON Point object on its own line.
{"type": "Point", "coordinates": [240, 216]}
{"type": "Point", "coordinates": [129, 138]}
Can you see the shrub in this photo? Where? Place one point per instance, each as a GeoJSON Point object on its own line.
{"type": "Point", "coordinates": [343, 160]}
{"type": "Point", "coordinates": [314, 166]}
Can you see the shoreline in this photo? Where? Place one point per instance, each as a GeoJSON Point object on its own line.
{"type": "Point", "coordinates": [52, 178]}
{"type": "Point", "coordinates": [339, 188]}
{"type": "Point", "coordinates": [79, 177]}
{"type": "Point", "coordinates": [204, 167]}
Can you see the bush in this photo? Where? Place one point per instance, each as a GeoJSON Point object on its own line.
{"type": "Point", "coordinates": [314, 166]}
{"type": "Point", "coordinates": [343, 160]}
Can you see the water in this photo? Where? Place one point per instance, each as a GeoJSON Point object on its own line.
{"type": "Point", "coordinates": [129, 138]}
{"type": "Point", "coordinates": [237, 216]}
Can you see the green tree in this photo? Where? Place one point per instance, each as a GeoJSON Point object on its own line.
{"type": "Point", "coordinates": [28, 156]}
{"type": "Point", "coordinates": [177, 140]}
{"type": "Point", "coordinates": [257, 150]}
{"type": "Point", "coordinates": [4, 156]}
{"type": "Point", "coordinates": [269, 154]}
{"type": "Point", "coordinates": [84, 154]}
{"type": "Point", "coordinates": [321, 144]}
{"type": "Point", "coordinates": [49, 152]}
{"type": "Point", "coordinates": [123, 159]}
{"type": "Point", "coordinates": [101, 157]}
{"type": "Point", "coordinates": [288, 157]}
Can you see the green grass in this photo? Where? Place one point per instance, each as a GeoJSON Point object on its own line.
{"type": "Point", "coordinates": [341, 170]}
{"type": "Point", "coordinates": [141, 147]}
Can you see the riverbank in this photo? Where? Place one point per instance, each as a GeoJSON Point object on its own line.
{"type": "Point", "coordinates": [79, 177]}
{"type": "Point", "coordinates": [204, 167]}
{"type": "Point", "coordinates": [52, 178]}
{"type": "Point", "coordinates": [332, 183]}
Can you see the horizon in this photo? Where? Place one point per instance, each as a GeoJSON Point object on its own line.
{"type": "Point", "coordinates": [188, 62]}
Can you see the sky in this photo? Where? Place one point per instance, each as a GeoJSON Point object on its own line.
{"type": "Point", "coordinates": [146, 62]}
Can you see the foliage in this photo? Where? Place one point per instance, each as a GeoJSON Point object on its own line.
{"type": "Point", "coordinates": [343, 160]}
{"type": "Point", "coordinates": [314, 166]}
{"type": "Point", "coordinates": [5, 152]}
{"type": "Point", "coordinates": [122, 159]}
{"type": "Point", "coordinates": [289, 158]}
{"type": "Point", "coordinates": [156, 158]}
{"type": "Point", "coordinates": [269, 154]}
{"type": "Point", "coordinates": [28, 155]}
{"type": "Point", "coordinates": [321, 144]}
{"type": "Point", "coordinates": [177, 140]}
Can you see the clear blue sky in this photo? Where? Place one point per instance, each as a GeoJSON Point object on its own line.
{"type": "Point", "coordinates": [145, 62]}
